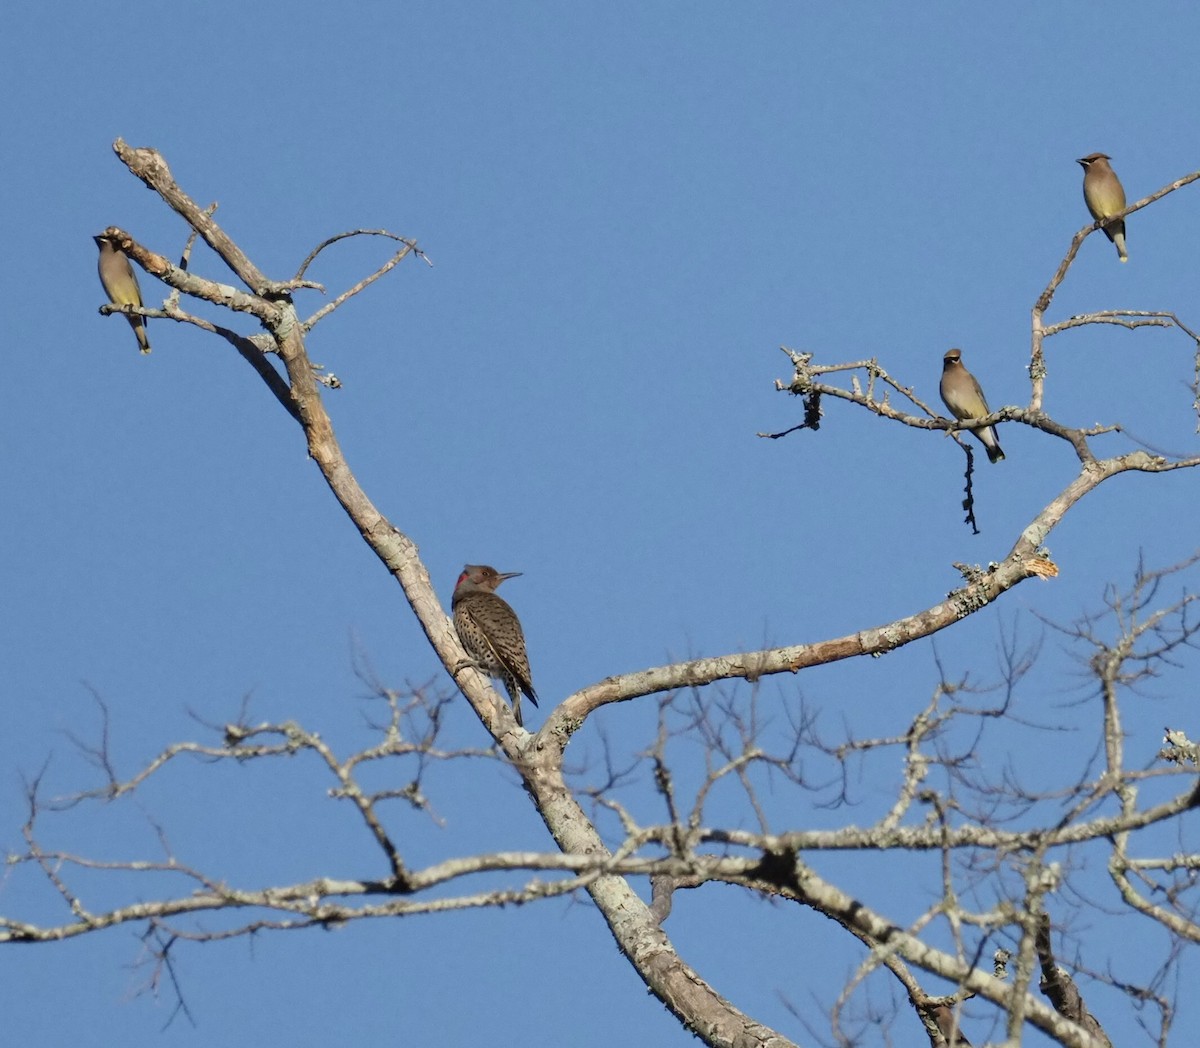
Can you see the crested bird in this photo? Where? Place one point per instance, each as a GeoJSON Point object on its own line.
{"type": "Point", "coordinates": [1105, 197]}
{"type": "Point", "coordinates": [962, 395]}
{"type": "Point", "coordinates": [121, 285]}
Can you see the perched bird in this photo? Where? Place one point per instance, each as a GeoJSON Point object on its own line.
{"type": "Point", "coordinates": [491, 632]}
{"type": "Point", "coordinates": [121, 286]}
{"type": "Point", "coordinates": [947, 1026]}
{"type": "Point", "coordinates": [1104, 196]}
{"type": "Point", "coordinates": [962, 395]}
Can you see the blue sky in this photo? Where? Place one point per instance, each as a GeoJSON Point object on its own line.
{"type": "Point", "coordinates": [629, 208]}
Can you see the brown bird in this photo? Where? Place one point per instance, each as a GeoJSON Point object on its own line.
{"type": "Point", "coordinates": [943, 1015]}
{"type": "Point", "coordinates": [962, 395]}
{"type": "Point", "coordinates": [1105, 197]}
{"type": "Point", "coordinates": [121, 285]}
{"type": "Point", "coordinates": [491, 633]}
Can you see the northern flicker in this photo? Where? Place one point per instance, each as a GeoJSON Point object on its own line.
{"type": "Point", "coordinates": [1105, 197]}
{"type": "Point", "coordinates": [121, 286]}
{"type": "Point", "coordinates": [962, 395]}
{"type": "Point", "coordinates": [491, 632]}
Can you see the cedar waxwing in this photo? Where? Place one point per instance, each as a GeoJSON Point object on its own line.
{"type": "Point", "coordinates": [965, 399]}
{"type": "Point", "coordinates": [121, 286]}
{"type": "Point", "coordinates": [1104, 197]}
